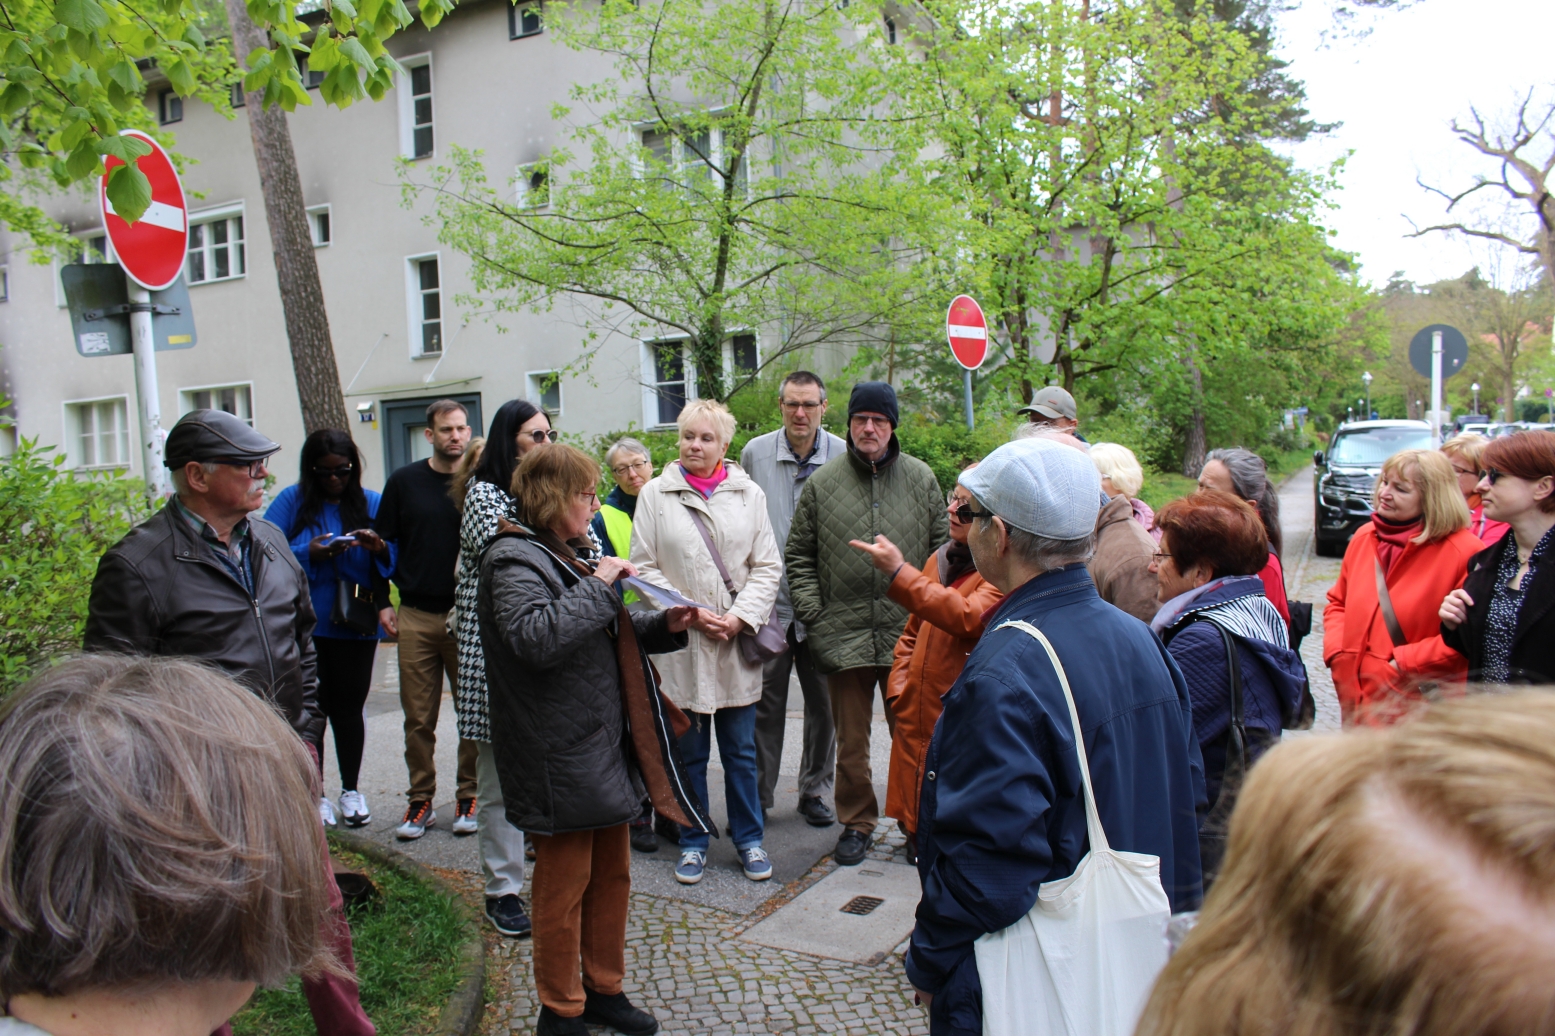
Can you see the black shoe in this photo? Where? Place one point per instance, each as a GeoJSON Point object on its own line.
{"type": "Point", "coordinates": [816, 812]}
{"type": "Point", "coordinates": [507, 916]}
{"type": "Point", "coordinates": [667, 829]}
{"type": "Point", "coordinates": [851, 847]}
{"type": "Point", "coordinates": [618, 1013]}
{"type": "Point", "coordinates": [643, 838]}
{"type": "Point", "coordinates": [553, 1024]}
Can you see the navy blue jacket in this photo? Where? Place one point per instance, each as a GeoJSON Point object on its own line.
{"type": "Point", "coordinates": [1001, 811]}
{"type": "Point", "coordinates": [1273, 676]}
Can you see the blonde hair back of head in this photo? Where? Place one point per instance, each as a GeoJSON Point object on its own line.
{"type": "Point", "coordinates": [1441, 503]}
{"type": "Point", "coordinates": [1391, 881]}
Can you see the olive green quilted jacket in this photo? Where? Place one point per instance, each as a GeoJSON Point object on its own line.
{"type": "Point", "coordinates": [837, 593]}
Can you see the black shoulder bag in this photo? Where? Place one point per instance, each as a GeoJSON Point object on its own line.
{"type": "Point", "coordinates": [354, 605]}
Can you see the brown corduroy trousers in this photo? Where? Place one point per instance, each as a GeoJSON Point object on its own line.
{"type": "Point", "coordinates": [852, 711]}
{"type": "Point", "coordinates": [578, 894]}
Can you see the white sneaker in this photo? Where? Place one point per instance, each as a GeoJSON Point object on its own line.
{"type": "Point", "coordinates": [327, 812]}
{"type": "Point", "coordinates": [464, 818]}
{"type": "Point", "coordinates": [418, 817]}
{"type": "Point", "coordinates": [353, 809]}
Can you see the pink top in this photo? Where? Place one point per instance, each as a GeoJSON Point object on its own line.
{"type": "Point", "coordinates": [705, 486]}
{"type": "Point", "coordinates": [1488, 530]}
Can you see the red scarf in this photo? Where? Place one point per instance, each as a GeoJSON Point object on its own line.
{"type": "Point", "coordinates": [1392, 538]}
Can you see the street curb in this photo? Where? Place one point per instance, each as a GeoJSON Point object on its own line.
{"type": "Point", "coordinates": [462, 1014]}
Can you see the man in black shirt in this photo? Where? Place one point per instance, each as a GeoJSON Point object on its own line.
{"type": "Point", "coordinates": [417, 513]}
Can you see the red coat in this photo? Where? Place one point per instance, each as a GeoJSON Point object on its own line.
{"type": "Point", "coordinates": [945, 626]}
{"type": "Point", "coordinates": [1356, 645]}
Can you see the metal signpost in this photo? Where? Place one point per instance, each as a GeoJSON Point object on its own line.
{"type": "Point", "coordinates": [967, 330]}
{"type": "Point", "coordinates": [1438, 352]}
{"type": "Point", "coordinates": [151, 252]}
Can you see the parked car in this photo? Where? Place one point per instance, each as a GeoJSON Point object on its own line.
{"type": "Point", "coordinates": [1346, 473]}
{"type": "Point", "coordinates": [1471, 423]}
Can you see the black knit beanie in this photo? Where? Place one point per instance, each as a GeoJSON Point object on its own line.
{"type": "Point", "coordinates": [874, 397]}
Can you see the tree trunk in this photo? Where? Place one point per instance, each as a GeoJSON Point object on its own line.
{"type": "Point", "coordinates": [1193, 449]}
{"type": "Point", "coordinates": [296, 268]}
{"type": "Point", "coordinates": [1509, 390]}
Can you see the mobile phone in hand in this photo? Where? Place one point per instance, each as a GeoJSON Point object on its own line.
{"type": "Point", "coordinates": [351, 540]}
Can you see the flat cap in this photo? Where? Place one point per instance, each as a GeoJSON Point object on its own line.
{"type": "Point", "coordinates": [1051, 401]}
{"type": "Point", "coordinates": [214, 435]}
{"type": "Point", "coordinates": [1039, 486]}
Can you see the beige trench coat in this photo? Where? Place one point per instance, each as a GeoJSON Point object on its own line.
{"type": "Point", "coordinates": [668, 551]}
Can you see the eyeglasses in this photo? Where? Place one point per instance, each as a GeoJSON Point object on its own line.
{"type": "Point", "coordinates": [343, 471]}
{"type": "Point", "coordinates": [591, 496]}
{"type": "Point", "coordinates": [623, 469]}
{"type": "Point", "coordinates": [1490, 475]}
{"type": "Point", "coordinates": [255, 468]}
{"type": "Point", "coordinates": [965, 514]}
{"type": "Point", "coordinates": [868, 419]}
{"type": "Point", "coordinates": [1468, 471]}
{"type": "Point", "coordinates": [795, 405]}
{"type": "Point", "coordinates": [538, 436]}
{"type": "Point", "coordinates": [1159, 556]}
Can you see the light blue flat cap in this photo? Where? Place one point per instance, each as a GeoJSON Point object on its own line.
{"type": "Point", "coordinates": [1039, 486]}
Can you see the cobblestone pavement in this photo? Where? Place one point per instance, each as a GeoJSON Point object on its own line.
{"type": "Point", "coordinates": [686, 965]}
{"type": "Point", "coordinates": [1307, 578]}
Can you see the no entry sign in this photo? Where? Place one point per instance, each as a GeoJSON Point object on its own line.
{"type": "Point", "coordinates": [151, 250]}
{"type": "Point", "coordinates": [967, 331]}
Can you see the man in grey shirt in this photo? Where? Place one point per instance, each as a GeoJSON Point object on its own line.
{"type": "Point", "coordinates": [780, 462]}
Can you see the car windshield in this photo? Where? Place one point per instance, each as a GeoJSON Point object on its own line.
{"type": "Point", "coordinates": [1369, 447]}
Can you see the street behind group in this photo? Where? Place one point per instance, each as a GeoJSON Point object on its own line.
{"type": "Point", "coordinates": [1085, 700]}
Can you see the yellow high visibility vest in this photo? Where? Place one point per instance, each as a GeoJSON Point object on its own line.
{"type": "Point", "coordinates": [618, 527]}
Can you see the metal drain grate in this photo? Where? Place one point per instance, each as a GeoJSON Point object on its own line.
{"type": "Point", "coordinates": [861, 905]}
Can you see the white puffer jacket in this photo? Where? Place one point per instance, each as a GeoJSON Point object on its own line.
{"type": "Point", "coordinates": [668, 551]}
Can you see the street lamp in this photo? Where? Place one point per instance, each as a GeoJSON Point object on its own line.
{"type": "Point", "coordinates": [1366, 377]}
{"type": "Point", "coordinates": [1475, 387]}
{"type": "Point", "coordinates": [1349, 414]}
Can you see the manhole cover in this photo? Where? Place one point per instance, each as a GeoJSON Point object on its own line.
{"type": "Point", "coordinates": [861, 905]}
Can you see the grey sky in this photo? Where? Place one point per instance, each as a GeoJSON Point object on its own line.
{"type": "Point", "coordinates": [1396, 90]}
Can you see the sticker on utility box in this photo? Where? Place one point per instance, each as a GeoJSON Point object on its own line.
{"type": "Point", "coordinates": [95, 342]}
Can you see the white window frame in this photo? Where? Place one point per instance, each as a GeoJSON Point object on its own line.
{"type": "Point", "coordinates": [651, 383]}
{"type": "Point", "coordinates": [314, 211]}
{"type": "Point", "coordinates": [5, 282]}
{"type": "Point", "coordinates": [186, 397]}
{"type": "Point", "coordinates": [211, 215]}
{"type": "Point", "coordinates": [169, 104]}
{"type": "Point", "coordinates": [515, 20]}
{"type": "Point", "coordinates": [413, 304]}
{"type": "Point", "coordinates": [407, 105]}
{"type": "Point", "coordinates": [523, 189]}
{"type": "Point", "coordinates": [535, 393]}
{"type": "Point", "coordinates": [678, 160]}
{"type": "Point", "coordinates": [730, 373]}
{"type": "Point", "coordinates": [71, 414]}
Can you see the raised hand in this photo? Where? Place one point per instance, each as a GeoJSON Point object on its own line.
{"type": "Point", "coordinates": [611, 568]}
{"type": "Point", "coordinates": [885, 554]}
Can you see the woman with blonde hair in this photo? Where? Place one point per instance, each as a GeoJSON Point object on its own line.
{"type": "Point", "coordinates": [1381, 633]}
{"type": "Point", "coordinates": [1465, 452]}
{"type": "Point", "coordinates": [1383, 882]}
{"type": "Point", "coordinates": [1122, 475]}
{"type": "Point", "coordinates": [701, 528]}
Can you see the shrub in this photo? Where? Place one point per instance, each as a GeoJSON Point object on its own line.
{"type": "Point", "coordinates": [54, 525]}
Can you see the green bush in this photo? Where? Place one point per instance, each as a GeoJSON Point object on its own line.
{"type": "Point", "coordinates": [54, 525]}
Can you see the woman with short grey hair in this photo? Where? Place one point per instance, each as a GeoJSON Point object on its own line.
{"type": "Point", "coordinates": [1242, 473]}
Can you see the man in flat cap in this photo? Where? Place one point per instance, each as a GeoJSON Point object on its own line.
{"type": "Point", "coordinates": [203, 578]}
{"type": "Point", "coordinates": [1001, 810]}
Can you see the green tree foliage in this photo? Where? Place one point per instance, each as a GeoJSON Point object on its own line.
{"type": "Point", "coordinates": [53, 528]}
{"type": "Point", "coordinates": [735, 175]}
{"type": "Point", "coordinates": [72, 76]}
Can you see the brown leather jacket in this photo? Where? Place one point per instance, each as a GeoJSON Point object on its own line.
{"type": "Point", "coordinates": [1121, 564]}
{"type": "Point", "coordinates": [161, 590]}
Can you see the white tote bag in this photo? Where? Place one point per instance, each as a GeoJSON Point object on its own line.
{"type": "Point", "coordinates": [1083, 960]}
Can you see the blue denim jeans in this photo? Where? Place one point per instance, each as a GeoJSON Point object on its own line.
{"type": "Point", "coordinates": [736, 729]}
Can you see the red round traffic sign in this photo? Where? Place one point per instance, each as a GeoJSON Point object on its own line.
{"type": "Point", "coordinates": [151, 250]}
{"type": "Point", "coordinates": [968, 332]}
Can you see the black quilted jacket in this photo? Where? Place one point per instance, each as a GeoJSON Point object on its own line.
{"type": "Point", "coordinates": [558, 727]}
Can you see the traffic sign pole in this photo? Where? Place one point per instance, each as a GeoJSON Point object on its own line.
{"type": "Point", "coordinates": [157, 483]}
{"type": "Point", "coordinates": [966, 386]}
{"type": "Point", "coordinates": [1436, 389]}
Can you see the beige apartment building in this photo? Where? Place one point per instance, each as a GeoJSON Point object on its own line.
{"type": "Point", "coordinates": [485, 78]}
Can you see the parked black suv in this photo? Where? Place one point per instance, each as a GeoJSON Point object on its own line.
{"type": "Point", "coordinates": [1346, 475]}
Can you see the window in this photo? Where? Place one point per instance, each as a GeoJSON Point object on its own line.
{"type": "Point", "coordinates": [216, 249]}
{"type": "Point", "coordinates": [426, 307]}
{"type": "Point", "coordinates": [890, 31]}
{"type": "Point", "coordinates": [239, 98]}
{"type": "Point", "coordinates": [669, 383]}
{"type": "Point", "coordinates": [524, 20]}
{"type": "Point", "coordinates": [545, 391]}
{"type": "Point", "coordinates": [318, 225]}
{"type": "Point", "coordinates": [532, 186]}
{"type": "Point", "coordinates": [170, 107]}
{"type": "Point", "coordinates": [5, 284]}
{"type": "Point", "coordinates": [416, 109]}
{"type": "Point", "coordinates": [310, 78]}
{"type": "Point", "coordinates": [237, 400]}
{"type": "Point", "coordinates": [693, 155]}
{"type": "Point", "coordinates": [95, 249]}
{"type": "Point", "coordinates": [743, 358]}
{"type": "Point", "coordinates": [100, 432]}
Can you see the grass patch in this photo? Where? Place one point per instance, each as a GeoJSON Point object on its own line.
{"type": "Point", "coordinates": [1162, 487]}
{"type": "Point", "coordinates": [407, 961]}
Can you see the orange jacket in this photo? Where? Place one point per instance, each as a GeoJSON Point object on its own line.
{"type": "Point", "coordinates": [1356, 645]}
{"type": "Point", "coordinates": [944, 627]}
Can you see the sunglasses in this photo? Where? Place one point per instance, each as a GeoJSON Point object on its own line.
{"type": "Point", "coordinates": [539, 436]}
{"type": "Point", "coordinates": [965, 514]}
{"type": "Point", "coordinates": [343, 471]}
{"type": "Point", "coordinates": [1491, 475]}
